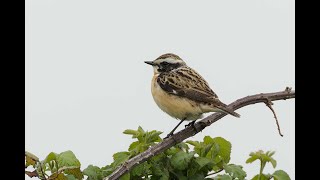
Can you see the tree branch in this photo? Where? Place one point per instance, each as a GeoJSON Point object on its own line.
{"type": "Point", "coordinates": [199, 126]}
{"type": "Point", "coordinates": [269, 104]}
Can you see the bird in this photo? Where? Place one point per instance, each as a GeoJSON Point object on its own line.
{"type": "Point", "coordinates": [181, 92]}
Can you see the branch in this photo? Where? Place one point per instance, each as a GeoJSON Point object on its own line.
{"type": "Point", "coordinates": [269, 104]}
{"type": "Point", "coordinates": [199, 126]}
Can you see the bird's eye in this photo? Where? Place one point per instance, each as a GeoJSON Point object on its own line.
{"type": "Point", "coordinates": [165, 63]}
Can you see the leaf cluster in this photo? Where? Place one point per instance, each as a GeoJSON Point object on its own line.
{"type": "Point", "coordinates": [178, 162]}
{"type": "Point", "coordinates": [265, 158]}
{"type": "Point", "coordinates": [190, 160]}
{"type": "Point", "coordinates": [63, 166]}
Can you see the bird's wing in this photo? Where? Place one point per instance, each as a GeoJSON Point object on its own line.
{"type": "Point", "coordinates": [185, 82]}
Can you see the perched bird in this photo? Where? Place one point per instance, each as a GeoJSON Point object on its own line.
{"type": "Point", "coordinates": [181, 92]}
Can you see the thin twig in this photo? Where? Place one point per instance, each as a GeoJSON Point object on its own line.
{"type": "Point", "coordinates": [269, 104]}
{"type": "Point", "coordinates": [199, 126]}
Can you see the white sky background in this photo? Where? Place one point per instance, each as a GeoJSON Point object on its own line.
{"type": "Point", "coordinates": [86, 81]}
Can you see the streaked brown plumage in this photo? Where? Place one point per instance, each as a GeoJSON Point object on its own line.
{"type": "Point", "coordinates": [181, 92]}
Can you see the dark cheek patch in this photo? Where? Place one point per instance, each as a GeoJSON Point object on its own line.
{"type": "Point", "coordinates": [168, 67]}
{"type": "Point", "coordinates": [160, 70]}
{"type": "Point", "coordinates": [175, 66]}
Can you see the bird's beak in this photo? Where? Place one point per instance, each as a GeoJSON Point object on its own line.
{"type": "Point", "coordinates": [150, 63]}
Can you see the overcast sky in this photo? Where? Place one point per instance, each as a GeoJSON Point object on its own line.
{"type": "Point", "coordinates": [86, 81]}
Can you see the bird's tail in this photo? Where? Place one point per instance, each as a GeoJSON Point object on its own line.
{"type": "Point", "coordinates": [225, 109]}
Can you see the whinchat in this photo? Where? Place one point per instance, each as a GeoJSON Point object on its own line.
{"type": "Point", "coordinates": [181, 92]}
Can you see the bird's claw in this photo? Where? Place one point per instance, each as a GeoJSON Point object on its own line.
{"type": "Point", "coordinates": [192, 124]}
{"type": "Point", "coordinates": [169, 135]}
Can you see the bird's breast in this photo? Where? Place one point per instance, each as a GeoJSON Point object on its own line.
{"type": "Point", "coordinates": [175, 106]}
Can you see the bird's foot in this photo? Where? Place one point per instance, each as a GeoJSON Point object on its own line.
{"type": "Point", "coordinates": [169, 135]}
{"type": "Point", "coordinates": [192, 124]}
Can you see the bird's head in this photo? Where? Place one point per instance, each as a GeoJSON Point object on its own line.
{"type": "Point", "coordinates": [166, 62]}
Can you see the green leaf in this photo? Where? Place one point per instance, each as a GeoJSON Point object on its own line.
{"type": "Point", "coordinates": [202, 161]}
{"type": "Point", "coordinates": [183, 146]}
{"type": "Point", "coordinates": [50, 157]}
{"type": "Point", "coordinates": [263, 177]}
{"type": "Point", "coordinates": [141, 169]}
{"type": "Point", "coordinates": [130, 131]}
{"type": "Point", "coordinates": [178, 175]}
{"type": "Point", "coordinates": [252, 159]}
{"type": "Point", "coordinates": [217, 149]}
{"type": "Point", "coordinates": [51, 161]}
{"type": "Point", "coordinates": [68, 163]}
{"type": "Point", "coordinates": [107, 170]}
{"type": "Point", "coordinates": [153, 136]}
{"type": "Point", "coordinates": [235, 171]}
{"type": "Point", "coordinates": [172, 151]}
{"type": "Point", "coordinates": [193, 168]}
{"type": "Point", "coordinates": [206, 146]}
{"type": "Point", "coordinates": [223, 177]}
{"type": "Point", "coordinates": [67, 158]}
{"type": "Point", "coordinates": [255, 155]}
{"type": "Point", "coordinates": [263, 157]}
{"type": "Point", "coordinates": [93, 172]}
{"type": "Point", "coordinates": [199, 165]}
{"type": "Point", "coordinates": [280, 175]}
{"type": "Point", "coordinates": [164, 178]}
{"type": "Point", "coordinates": [140, 130]}
{"type": "Point", "coordinates": [159, 158]}
{"type": "Point", "coordinates": [270, 153]}
{"type": "Point", "coordinates": [159, 170]}
{"type": "Point", "coordinates": [125, 177]}
{"type": "Point", "coordinates": [224, 147]}
{"type": "Point", "coordinates": [200, 148]}
{"type": "Point", "coordinates": [70, 177]}
{"type": "Point", "coordinates": [141, 135]}
{"type": "Point", "coordinates": [120, 157]}
{"type": "Point", "coordinates": [273, 162]}
{"type": "Point", "coordinates": [208, 140]}
{"type": "Point", "coordinates": [266, 158]}
{"type": "Point", "coordinates": [198, 176]}
{"type": "Point", "coordinates": [193, 143]}
{"type": "Point", "coordinates": [208, 150]}
{"type": "Point", "coordinates": [153, 177]}
{"type": "Point", "coordinates": [181, 160]}
{"type": "Point", "coordinates": [133, 145]}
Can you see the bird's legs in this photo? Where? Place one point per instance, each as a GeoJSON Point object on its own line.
{"type": "Point", "coordinates": [171, 133]}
